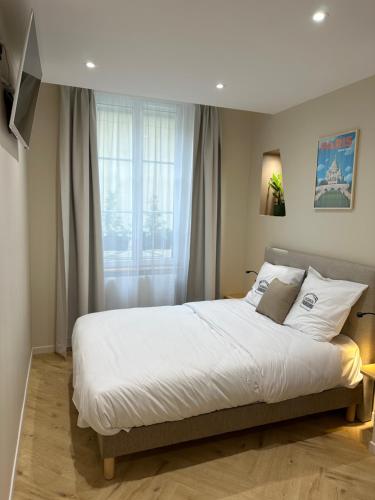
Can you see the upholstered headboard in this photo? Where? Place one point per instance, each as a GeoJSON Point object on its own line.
{"type": "Point", "coordinates": [361, 330]}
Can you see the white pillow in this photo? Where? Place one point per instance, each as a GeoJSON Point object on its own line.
{"type": "Point", "coordinates": [323, 305]}
{"type": "Point", "coordinates": [268, 272]}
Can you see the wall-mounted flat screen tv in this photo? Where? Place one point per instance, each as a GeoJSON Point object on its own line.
{"type": "Point", "coordinates": [27, 87]}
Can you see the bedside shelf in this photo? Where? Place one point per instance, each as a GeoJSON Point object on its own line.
{"type": "Point", "coordinates": [369, 370]}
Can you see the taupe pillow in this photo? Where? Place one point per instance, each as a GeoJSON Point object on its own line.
{"type": "Point", "coordinates": [277, 300]}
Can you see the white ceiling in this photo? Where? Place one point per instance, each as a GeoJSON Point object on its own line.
{"type": "Point", "coordinates": [269, 53]}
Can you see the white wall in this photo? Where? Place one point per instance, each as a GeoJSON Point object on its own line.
{"type": "Point", "coordinates": [41, 169]}
{"type": "Point", "coordinates": [237, 145]}
{"type": "Point", "coordinates": [347, 235]}
{"type": "Point", "coordinates": [15, 345]}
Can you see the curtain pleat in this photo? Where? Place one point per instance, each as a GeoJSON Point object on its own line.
{"type": "Point", "coordinates": [80, 288]}
{"type": "Point", "coordinates": [203, 277]}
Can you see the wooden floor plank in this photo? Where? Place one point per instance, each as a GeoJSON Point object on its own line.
{"type": "Point", "coordinates": [314, 458]}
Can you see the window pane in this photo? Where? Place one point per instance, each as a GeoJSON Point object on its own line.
{"type": "Point", "coordinates": [117, 238]}
{"type": "Point", "coordinates": [159, 133]}
{"type": "Point", "coordinates": [116, 179]}
{"type": "Point", "coordinates": [158, 186]}
{"type": "Point", "coordinates": [116, 202]}
{"type": "Point", "coordinates": [157, 235]}
{"type": "Point", "coordinates": [114, 131]}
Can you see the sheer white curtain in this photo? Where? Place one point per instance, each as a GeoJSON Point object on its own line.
{"type": "Point", "coordinates": [145, 150]}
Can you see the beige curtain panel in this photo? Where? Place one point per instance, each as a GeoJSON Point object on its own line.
{"type": "Point", "coordinates": [80, 284]}
{"type": "Point", "coordinates": [203, 278]}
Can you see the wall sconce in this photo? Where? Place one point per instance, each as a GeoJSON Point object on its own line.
{"type": "Point", "coordinates": [360, 314]}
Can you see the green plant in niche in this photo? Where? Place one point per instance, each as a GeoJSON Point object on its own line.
{"type": "Point", "coordinates": [276, 185]}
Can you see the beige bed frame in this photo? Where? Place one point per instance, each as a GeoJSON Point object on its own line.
{"type": "Point", "coordinates": [358, 401]}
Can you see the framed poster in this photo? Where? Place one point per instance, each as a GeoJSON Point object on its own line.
{"type": "Point", "coordinates": [335, 171]}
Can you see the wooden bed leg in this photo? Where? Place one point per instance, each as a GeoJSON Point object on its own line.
{"type": "Point", "coordinates": [109, 468]}
{"type": "Point", "coordinates": [350, 413]}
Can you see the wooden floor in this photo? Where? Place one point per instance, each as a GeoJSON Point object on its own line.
{"type": "Point", "coordinates": [319, 457]}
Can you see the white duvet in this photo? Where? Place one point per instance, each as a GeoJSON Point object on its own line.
{"type": "Point", "coordinates": [149, 365]}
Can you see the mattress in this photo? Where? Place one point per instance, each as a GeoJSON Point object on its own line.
{"type": "Point", "coordinates": [143, 366]}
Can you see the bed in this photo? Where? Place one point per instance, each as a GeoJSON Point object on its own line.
{"type": "Point", "coordinates": [145, 378]}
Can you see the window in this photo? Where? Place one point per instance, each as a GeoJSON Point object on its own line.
{"type": "Point", "coordinates": [145, 168]}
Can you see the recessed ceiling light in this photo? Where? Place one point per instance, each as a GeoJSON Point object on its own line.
{"type": "Point", "coordinates": [319, 16]}
{"type": "Point", "coordinates": [220, 86]}
{"type": "Point", "coordinates": [90, 64]}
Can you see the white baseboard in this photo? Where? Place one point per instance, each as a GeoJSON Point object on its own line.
{"type": "Point", "coordinates": [20, 428]}
{"type": "Point", "coordinates": [43, 349]}
{"type": "Point", "coordinates": [371, 447]}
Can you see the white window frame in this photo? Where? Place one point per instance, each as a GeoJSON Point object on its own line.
{"type": "Point", "coordinates": [137, 261]}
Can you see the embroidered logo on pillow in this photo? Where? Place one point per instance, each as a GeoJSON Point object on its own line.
{"type": "Point", "coordinates": [309, 300]}
{"type": "Point", "coordinates": [262, 287]}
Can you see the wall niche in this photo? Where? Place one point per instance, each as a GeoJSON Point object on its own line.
{"type": "Point", "coordinates": [272, 201]}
